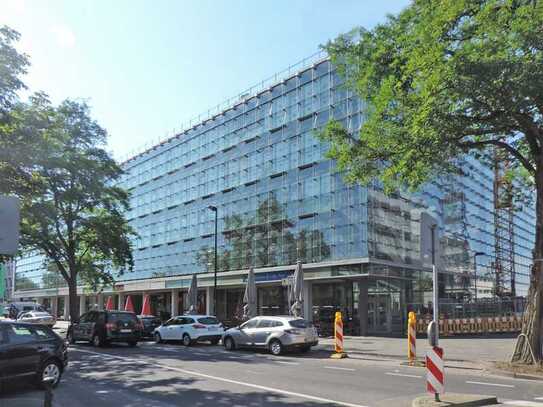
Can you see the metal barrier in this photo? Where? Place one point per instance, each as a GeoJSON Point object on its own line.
{"type": "Point", "coordinates": [473, 326]}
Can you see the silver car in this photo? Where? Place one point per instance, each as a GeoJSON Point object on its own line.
{"type": "Point", "coordinates": [37, 317]}
{"type": "Point", "coordinates": [274, 333]}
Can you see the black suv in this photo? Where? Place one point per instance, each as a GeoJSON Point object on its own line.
{"type": "Point", "coordinates": [103, 327]}
{"type": "Point", "coordinates": [150, 322]}
{"type": "Point", "coordinates": [31, 350]}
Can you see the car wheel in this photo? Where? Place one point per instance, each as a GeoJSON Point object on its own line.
{"type": "Point", "coordinates": [50, 370]}
{"type": "Point", "coordinates": [215, 341]}
{"type": "Point", "coordinates": [70, 337]}
{"type": "Point", "coordinates": [275, 346]}
{"type": "Point", "coordinates": [133, 344]}
{"type": "Point", "coordinates": [158, 338]}
{"type": "Point", "coordinates": [229, 343]}
{"type": "Point", "coordinates": [186, 340]}
{"type": "Point", "coordinates": [97, 341]}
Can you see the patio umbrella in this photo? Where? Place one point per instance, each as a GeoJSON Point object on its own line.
{"type": "Point", "coordinates": [297, 292]}
{"type": "Point", "coordinates": [193, 295]}
{"type": "Point", "coordinates": [249, 298]}
{"type": "Point", "coordinates": [128, 306]}
{"type": "Point", "coordinates": [109, 303]}
{"type": "Point", "coordinates": [146, 308]}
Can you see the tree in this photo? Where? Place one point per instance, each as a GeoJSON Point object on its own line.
{"type": "Point", "coordinates": [440, 80]}
{"type": "Point", "coordinates": [12, 65]}
{"type": "Point", "coordinates": [53, 159]}
{"type": "Point", "coordinates": [77, 217]}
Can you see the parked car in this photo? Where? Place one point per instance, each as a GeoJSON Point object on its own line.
{"type": "Point", "coordinates": [103, 327]}
{"type": "Point", "coordinates": [274, 333]}
{"type": "Point", "coordinates": [190, 329]}
{"type": "Point", "coordinates": [150, 322]}
{"type": "Point", "coordinates": [37, 317]}
{"type": "Point", "coordinates": [14, 309]}
{"type": "Point", "coordinates": [28, 350]}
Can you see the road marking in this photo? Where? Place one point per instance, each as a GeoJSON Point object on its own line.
{"type": "Point", "coordinates": [287, 363]}
{"type": "Point", "coordinates": [222, 379]}
{"type": "Point", "coordinates": [403, 375]}
{"type": "Point", "coordinates": [102, 391]}
{"type": "Point", "coordinates": [491, 384]}
{"type": "Point", "coordinates": [340, 368]}
{"type": "Point", "coordinates": [523, 403]}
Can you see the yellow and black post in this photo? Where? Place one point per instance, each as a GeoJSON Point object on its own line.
{"type": "Point", "coordinates": [338, 338]}
{"type": "Point", "coordinates": [412, 338]}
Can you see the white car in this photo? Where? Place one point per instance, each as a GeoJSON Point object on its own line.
{"type": "Point", "coordinates": [190, 329]}
{"type": "Point", "coordinates": [37, 317]}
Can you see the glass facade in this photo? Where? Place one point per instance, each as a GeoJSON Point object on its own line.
{"type": "Point", "coordinates": [280, 199]}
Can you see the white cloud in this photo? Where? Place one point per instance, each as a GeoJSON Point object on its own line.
{"type": "Point", "coordinates": [64, 36]}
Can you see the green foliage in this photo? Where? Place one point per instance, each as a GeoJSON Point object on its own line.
{"type": "Point", "coordinates": [77, 219]}
{"type": "Point", "coordinates": [442, 79]}
{"type": "Point", "coordinates": [53, 159]}
{"type": "Point", "coordinates": [12, 65]}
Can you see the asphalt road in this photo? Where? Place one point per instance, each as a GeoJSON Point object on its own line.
{"type": "Point", "coordinates": [205, 375]}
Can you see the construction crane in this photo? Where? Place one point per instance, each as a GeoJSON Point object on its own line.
{"type": "Point", "coordinates": [504, 243]}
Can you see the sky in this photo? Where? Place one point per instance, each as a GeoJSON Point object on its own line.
{"type": "Point", "coordinates": [147, 67]}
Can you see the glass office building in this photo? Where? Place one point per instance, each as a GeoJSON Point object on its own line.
{"type": "Point", "coordinates": [279, 200]}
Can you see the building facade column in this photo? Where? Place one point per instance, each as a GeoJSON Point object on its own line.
{"type": "Point", "coordinates": [100, 300]}
{"type": "Point", "coordinates": [66, 307]}
{"type": "Point", "coordinates": [308, 301]}
{"type": "Point", "coordinates": [209, 301]}
{"type": "Point", "coordinates": [54, 306]}
{"type": "Point", "coordinates": [363, 306]}
{"type": "Point", "coordinates": [175, 303]}
{"type": "Point", "coordinates": [122, 299]}
{"type": "Point", "coordinates": [82, 304]}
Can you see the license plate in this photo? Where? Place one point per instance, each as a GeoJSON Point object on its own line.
{"type": "Point", "coordinates": [211, 329]}
{"type": "Point", "coordinates": [126, 331]}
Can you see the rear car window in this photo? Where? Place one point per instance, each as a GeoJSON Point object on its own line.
{"type": "Point", "coordinates": [300, 323]}
{"type": "Point", "coordinates": [265, 323]}
{"type": "Point", "coordinates": [20, 334]}
{"type": "Point", "coordinates": [122, 317]}
{"type": "Point", "coordinates": [43, 333]}
{"type": "Point", "coordinates": [151, 321]}
{"type": "Point", "coordinates": [208, 321]}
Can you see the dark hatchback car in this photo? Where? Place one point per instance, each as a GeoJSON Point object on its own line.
{"type": "Point", "coordinates": [150, 322]}
{"type": "Point", "coordinates": [103, 327]}
{"type": "Point", "coordinates": [28, 350]}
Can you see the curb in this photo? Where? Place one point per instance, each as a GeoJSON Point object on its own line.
{"type": "Point", "coordinates": [516, 375]}
{"type": "Point", "coordinates": [428, 401]}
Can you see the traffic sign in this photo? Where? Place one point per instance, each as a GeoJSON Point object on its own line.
{"type": "Point", "coordinates": [9, 225]}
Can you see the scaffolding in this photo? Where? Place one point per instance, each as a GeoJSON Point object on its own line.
{"type": "Point", "coordinates": [504, 263]}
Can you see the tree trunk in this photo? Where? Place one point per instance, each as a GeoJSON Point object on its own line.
{"type": "Point", "coordinates": [532, 325]}
{"type": "Point", "coordinates": [72, 293]}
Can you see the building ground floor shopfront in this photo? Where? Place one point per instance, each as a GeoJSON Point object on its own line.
{"type": "Point", "coordinates": [374, 299]}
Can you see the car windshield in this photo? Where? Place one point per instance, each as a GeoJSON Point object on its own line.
{"type": "Point", "coordinates": [208, 320]}
{"type": "Point", "coordinates": [121, 317]}
{"type": "Point", "coordinates": [38, 314]}
{"type": "Point", "coordinates": [151, 321]}
{"type": "Point", "coordinates": [300, 323]}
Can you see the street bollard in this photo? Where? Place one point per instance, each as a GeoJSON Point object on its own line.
{"type": "Point", "coordinates": [48, 396]}
{"type": "Point", "coordinates": [338, 338]}
{"type": "Point", "coordinates": [412, 338]}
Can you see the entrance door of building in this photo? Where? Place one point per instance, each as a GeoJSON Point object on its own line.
{"type": "Point", "coordinates": [379, 314]}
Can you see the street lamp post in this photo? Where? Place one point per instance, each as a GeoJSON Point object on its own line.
{"type": "Point", "coordinates": [214, 209]}
{"type": "Point", "coordinates": [475, 271]}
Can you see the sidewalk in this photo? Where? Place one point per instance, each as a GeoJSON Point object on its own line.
{"type": "Point", "coordinates": [467, 352]}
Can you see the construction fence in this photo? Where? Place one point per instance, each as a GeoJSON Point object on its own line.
{"type": "Point", "coordinates": [493, 315]}
{"type": "Point", "coordinates": [466, 326]}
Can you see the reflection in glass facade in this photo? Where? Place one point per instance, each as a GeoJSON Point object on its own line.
{"type": "Point", "coordinates": [279, 199]}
